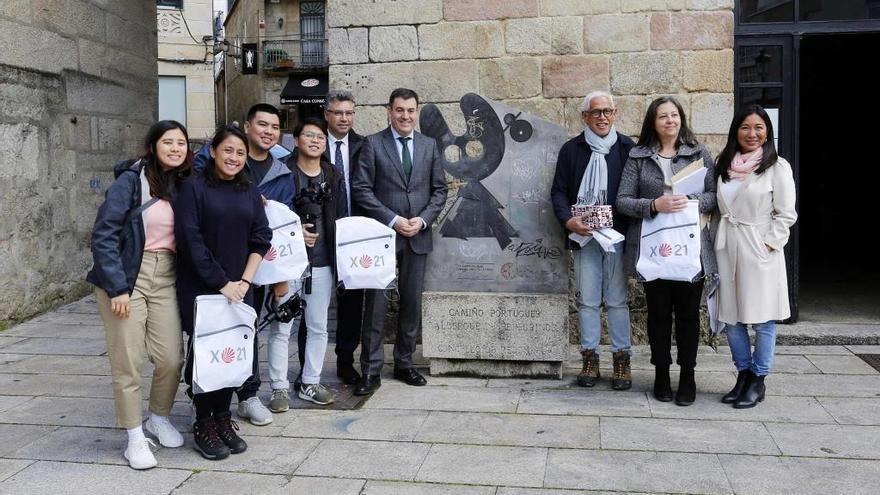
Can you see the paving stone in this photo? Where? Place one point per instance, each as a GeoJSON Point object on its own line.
{"type": "Point", "coordinates": [62, 411]}
{"type": "Point", "coordinates": [456, 381]}
{"type": "Point", "coordinates": [393, 396]}
{"type": "Point", "coordinates": [852, 411]}
{"type": "Point", "coordinates": [43, 330]}
{"type": "Point", "coordinates": [773, 475]}
{"type": "Point", "coordinates": [711, 382]}
{"type": "Point", "coordinates": [4, 340]}
{"type": "Point", "coordinates": [15, 436]}
{"type": "Point", "coordinates": [824, 385]}
{"type": "Point", "coordinates": [67, 365]}
{"type": "Point", "coordinates": [636, 471]}
{"type": "Point", "coordinates": [8, 467]}
{"type": "Point", "coordinates": [853, 442]}
{"type": "Point", "coordinates": [359, 459]}
{"type": "Point", "coordinates": [82, 445]}
{"type": "Point", "coordinates": [773, 409]}
{"type": "Point", "coordinates": [864, 349]}
{"type": "Point", "coordinates": [503, 490]}
{"type": "Point", "coordinates": [398, 488]}
{"type": "Point", "coordinates": [213, 482]}
{"type": "Point", "coordinates": [312, 486]}
{"type": "Point", "coordinates": [364, 424]}
{"type": "Point", "coordinates": [842, 365]}
{"type": "Point", "coordinates": [60, 478]}
{"type": "Point", "coordinates": [510, 429]}
{"type": "Point", "coordinates": [812, 349]}
{"type": "Point", "coordinates": [58, 385]}
{"type": "Point", "coordinates": [566, 383]}
{"type": "Point", "coordinates": [11, 358]}
{"type": "Point", "coordinates": [11, 401]}
{"type": "Point", "coordinates": [78, 347]}
{"type": "Point", "coordinates": [479, 465]}
{"type": "Point", "coordinates": [53, 318]}
{"type": "Point", "coordinates": [675, 435]}
{"type": "Point", "coordinates": [267, 455]}
{"type": "Point", "coordinates": [781, 364]}
{"type": "Point", "coordinates": [584, 402]}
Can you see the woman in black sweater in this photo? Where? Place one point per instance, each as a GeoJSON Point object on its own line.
{"type": "Point", "coordinates": [222, 235]}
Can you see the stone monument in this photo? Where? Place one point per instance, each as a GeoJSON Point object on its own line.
{"type": "Point", "coordinates": [496, 287]}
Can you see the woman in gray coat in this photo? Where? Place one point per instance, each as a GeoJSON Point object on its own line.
{"type": "Point", "coordinates": [666, 146]}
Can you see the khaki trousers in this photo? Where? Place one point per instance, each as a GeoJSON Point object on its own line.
{"type": "Point", "coordinates": [152, 329]}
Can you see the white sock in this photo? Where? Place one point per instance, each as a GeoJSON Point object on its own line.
{"type": "Point", "coordinates": [135, 434]}
{"type": "Point", "coordinates": [156, 419]}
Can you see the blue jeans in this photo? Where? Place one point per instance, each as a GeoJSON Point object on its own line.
{"type": "Point", "coordinates": [599, 276]}
{"type": "Point", "coordinates": [761, 360]}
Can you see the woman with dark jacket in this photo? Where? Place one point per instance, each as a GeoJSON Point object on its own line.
{"type": "Point", "coordinates": [666, 146]}
{"type": "Point", "coordinates": [133, 247]}
{"type": "Point", "coordinates": [223, 234]}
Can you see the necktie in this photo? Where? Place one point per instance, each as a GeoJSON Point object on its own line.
{"type": "Point", "coordinates": [407, 158]}
{"type": "Point", "coordinates": [338, 163]}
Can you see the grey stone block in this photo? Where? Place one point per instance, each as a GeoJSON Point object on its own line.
{"type": "Point", "coordinates": [842, 365]}
{"type": "Point", "coordinates": [58, 385]}
{"type": "Point", "coordinates": [4, 340]}
{"type": "Point", "coordinates": [310, 486]}
{"type": "Point", "coordinates": [82, 445]}
{"type": "Point", "coordinates": [7, 359]}
{"type": "Point", "coordinates": [79, 347]}
{"type": "Point", "coordinates": [491, 368]}
{"type": "Point", "coordinates": [393, 396]}
{"type": "Point", "coordinates": [60, 478]}
{"type": "Point", "coordinates": [583, 402]}
{"type": "Point", "coordinates": [852, 411]}
{"type": "Point", "coordinates": [16, 436]}
{"type": "Point", "coordinates": [504, 490]}
{"type": "Point", "coordinates": [636, 471]}
{"type": "Point", "coordinates": [824, 385]}
{"type": "Point", "coordinates": [675, 435]}
{"type": "Point", "coordinates": [264, 455]}
{"type": "Point", "coordinates": [62, 412]}
{"type": "Point", "coordinates": [58, 330]}
{"type": "Point", "coordinates": [774, 475]}
{"type": "Point", "coordinates": [362, 424]}
{"type": "Point", "coordinates": [511, 430]}
{"type": "Point", "coordinates": [851, 442]}
{"type": "Point", "coordinates": [863, 349]}
{"type": "Point", "coordinates": [10, 401]}
{"type": "Point", "coordinates": [398, 488]}
{"type": "Point", "coordinates": [775, 409]}
{"type": "Point", "coordinates": [61, 319]}
{"type": "Point", "coordinates": [477, 465]}
{"type": "Point", "coordinates": [8, 467]}
{"type": "Point", "coordinates": [371, 460]}
{"type": "Point", "coordinates": [220, 482]}
{"type": "Point", "coordinates": [68, 365]}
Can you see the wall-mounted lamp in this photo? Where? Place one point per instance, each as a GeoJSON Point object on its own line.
{"type": "Point", "coordinates": [280, 22]}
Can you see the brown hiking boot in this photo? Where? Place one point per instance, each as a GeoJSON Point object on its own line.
{"type": "Point", "coordinates": [622, 379]}
{"type": "Point", "coordinates": [589, 375]}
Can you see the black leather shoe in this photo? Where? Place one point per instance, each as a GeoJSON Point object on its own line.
{"type": "Point", "coordinates": [752, 394]}
{"type": "Point", "coordinates": [348, 374]}
{"type": "Point", "coordinates": [687, 388]}
{"type": "Point", "coordinates": [743, 378]}
{"type": "Point", "coordinates": [368, 385]}
{"type": "Point", "coordinates": [410, 376]}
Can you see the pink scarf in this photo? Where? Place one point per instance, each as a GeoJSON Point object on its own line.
{"type": "Point", "coordinates": [743, 165]}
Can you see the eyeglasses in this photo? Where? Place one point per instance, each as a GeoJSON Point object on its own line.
{"type": "Point", "coordinates": [314, 135]}
{"type": "Point", "coordinates": [340, 113]}
{"type": "Point", "coordinates": [607, 112]}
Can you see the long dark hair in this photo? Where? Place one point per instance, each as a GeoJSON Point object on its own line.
{"type": "Point", "coordinates": [241, 179]}
{"type": "Point", "coordinates": [163, 181]}
{"type": "Point", "coordinates": [722, 165]}
{"type": "Point", "coordinates": [648, 137]}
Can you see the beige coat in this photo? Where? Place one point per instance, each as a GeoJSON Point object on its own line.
{"type": "Point", "coordinates": [752, 232]}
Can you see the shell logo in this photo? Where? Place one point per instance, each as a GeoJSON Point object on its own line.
{"type": "Point", "coordinates": [310, 83]}
{"type": "Point", "coordinates": [665, 250]}
{"type": "Point", "coordinates": [366, 261]}
{"type": "Point", "coordinates": [271, 254]}
{"type": "Point", "coordinates": [228, 355]}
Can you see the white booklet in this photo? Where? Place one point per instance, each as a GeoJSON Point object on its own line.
{"type": "Point", "coordinates": [690, 180]}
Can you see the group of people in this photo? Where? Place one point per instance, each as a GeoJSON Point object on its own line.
{"type": "Point", "coordinates": [749, 197]}
{"type": "Point", "coordinates": [175, 226]}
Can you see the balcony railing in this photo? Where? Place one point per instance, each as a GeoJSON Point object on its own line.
{"type": "Point", "coordinates": [293, 55]}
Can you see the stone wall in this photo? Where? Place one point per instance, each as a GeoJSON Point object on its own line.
{"type": "Point", "coordinates": [77, 93]}
{"type": "Point", "coordinates": [541, 56]}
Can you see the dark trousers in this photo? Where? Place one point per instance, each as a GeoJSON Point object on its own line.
{"type": "Point", "coordinates": [410, 281]}
{"type": "Point", "coordinates": [349, 317]}
{"type": "Point", "coordinates": [251, 386]}
{"type": "Point", "coordinates": [682, 299]}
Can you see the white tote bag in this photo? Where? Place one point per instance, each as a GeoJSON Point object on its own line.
{"type": "Point", "coordinates": [223, 343]}
{"type": "Point", "coordinates": [365, 253]}
{"type": "Point", "coordinates": [287, 258]}
{"type": "Point", "coordinates": [669, 248]}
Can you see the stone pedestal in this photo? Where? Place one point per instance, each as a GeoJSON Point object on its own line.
{"type": "Point", "coordinates": [495, 334]}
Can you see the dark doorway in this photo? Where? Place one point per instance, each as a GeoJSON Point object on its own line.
{"type": "Point", "coordinates": [839, 176]}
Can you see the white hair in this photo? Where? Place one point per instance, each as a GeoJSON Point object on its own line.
{"type": "Point", "coordinates": [596, 94]}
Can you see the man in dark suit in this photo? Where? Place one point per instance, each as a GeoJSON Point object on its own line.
{"type": "Point", "coordinates": [400, 182]}
{"type": "Point", "coordinates": [343, 151]}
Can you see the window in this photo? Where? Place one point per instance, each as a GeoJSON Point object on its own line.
{"type": "Point", "coordinates": [170, 4]}
{"type": "Point", "coordinates": [311, 24]}
{"type": "Point", "coordinates": [172, 98]}
{"type": "Point", "coordinates": [766, 11]}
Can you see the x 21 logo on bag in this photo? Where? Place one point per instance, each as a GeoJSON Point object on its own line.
{"type": "Point", "coordinates": [666, 250]}
{"type": "Point", "coordinates": [228, 355]}
{"type": "Point", "coordinates": [366, 261]}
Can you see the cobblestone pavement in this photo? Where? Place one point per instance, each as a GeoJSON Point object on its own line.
{"type": "Point", "coordinates": [818, 431]}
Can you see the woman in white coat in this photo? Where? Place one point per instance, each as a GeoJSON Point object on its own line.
{"type": "Point", "coordinates": [756, 202]}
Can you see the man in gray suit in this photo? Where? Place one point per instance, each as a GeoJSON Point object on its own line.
{"type": "Point", "coordinates": [400, 182]}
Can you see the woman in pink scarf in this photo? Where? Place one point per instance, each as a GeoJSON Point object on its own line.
{"type": "Point", "coordinates": [756, 199]}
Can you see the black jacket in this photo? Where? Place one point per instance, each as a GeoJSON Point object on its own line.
{"type": "Point", "coordinates": [117, 240]}
{"type": "Point", "coordinates": [571, 165]}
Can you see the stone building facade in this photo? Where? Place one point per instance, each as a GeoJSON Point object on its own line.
{"type": "Point", "coordinates": [77, 93]}
{"type": "Point", "coordinates": [541, 56]}
{"type": "Point", "coordinates": [185, 55]}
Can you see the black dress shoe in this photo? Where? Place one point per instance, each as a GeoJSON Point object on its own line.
{"type": "Point", "coordinates": [410, 376]}
{"type": "Point", "coordinates": [752, 394]}
{"type": "Point", "coordinates": [368, 385]}
{"type": "Point", "coordinates": [348, 374]}
{"type": "Point", "coordinates": [743, 378]}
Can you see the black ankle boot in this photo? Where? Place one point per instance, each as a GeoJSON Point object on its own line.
{"type": "Point", "coordinates": [226, 431]}
{"type": "Point", "coordinates": [207, 442]}
{"type": "Point", "coordinates": [687, 387]}
{"type": "Point", "coordinates": [752, 394]}
{"type": "Point", "coordinates": [662, 384]}
{"type": "Point", "coordinates": [742, 381]}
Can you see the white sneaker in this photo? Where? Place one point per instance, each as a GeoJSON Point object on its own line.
{"type": "Point", "coordinates": [140, 454]}
{"type": "Point", "coordinates": [254, 411]}
{"type": "Point", "coordinates": [165, 432]}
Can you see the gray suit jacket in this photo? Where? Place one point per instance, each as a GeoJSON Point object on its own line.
{"type": "Point", "coordinates": [381, 190]}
